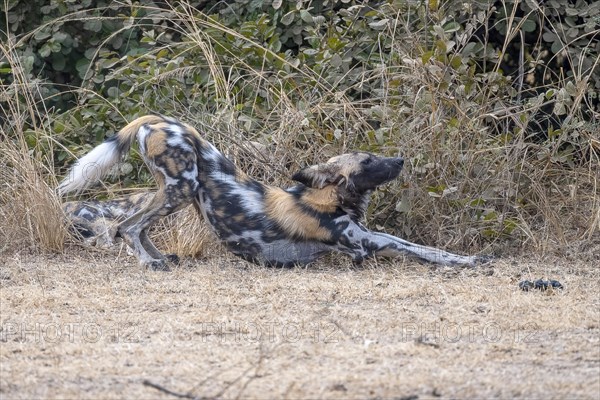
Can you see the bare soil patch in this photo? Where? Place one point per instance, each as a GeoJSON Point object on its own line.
{"type": "Point", "coordinates": [93, 325]}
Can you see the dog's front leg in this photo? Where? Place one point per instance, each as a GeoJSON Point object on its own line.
{"type": "Point", "coordinates": [382, 244]}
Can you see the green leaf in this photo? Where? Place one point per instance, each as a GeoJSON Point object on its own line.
{"type": "Point", "coordinates": [572, 11]}
{"type": "Point", "coordinates": [439, 31]}
{"type": "Point", "coordinates": [162, 54]}
{"type": "Point", "coordinates": [491, 216]}
{"type": "Point", "coordinates": [452, 26]}
{"type": "Point", "coordinates": [336, 61]}
{"type": "Point", "coordinates": [306, 17]}
{"type": "Point", "coordinates": [456, 62]}
{"type": "Point", "coordinates": [529, 26]}
{"type": "Point", "coordinates": [117, 42]}
{"type": "Point", "coordinates": [31, 138]}
{"type": "Point", "coordinates": [107, 63]}
{"type": "Point", "coordinates": [42, 34]}
{"type": "Point", "coordinates": [471, 48]}
{"type": "Point", "coordinates": [28, 63]}
{"type": "Point", "coordinates": [379, 25]}
{"type": "Point", "coordinates": [82, 66]}
{"type": "Point", "coordinates": [288, 18]}
{"type": "Point", "coordinates": [54, 46]}
{"type": "Point", "coordinates": [113, 92]}
{"type": "Point", "coordinates": [94, 25]}
{"type": "Point", "coordinates": [441, 45]}
{"type": "Point", "coordinates": [477, 202]}
{"type": "Point", "coordinates": [556, 47]}
{"type": "Point", "coordinates": [335, 43]}
{"type": "Point", "coordinates": [61, 37]}
{"type": "Point", "coordinates": [58, 62]}
{"type": "Point", "coordinates": [426, 56]}
{"type": "Point", "coordinates": [58, 127]}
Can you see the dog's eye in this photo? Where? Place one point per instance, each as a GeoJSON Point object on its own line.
{"type": "Point", "coordinates": [366, 161]}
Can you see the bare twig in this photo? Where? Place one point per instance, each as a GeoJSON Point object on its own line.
{"type": "Point", "coordinates": [163, 389]}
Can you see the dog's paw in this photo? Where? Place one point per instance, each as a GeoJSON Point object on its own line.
{"type": "Point", "coordinates": [172, 259]}
{"type": "Point", "coordinates": [483, 260]}
{"type": "Point", "coordinates": [471, 261]}
{"type": "Point", "coordinates": [157, 265]}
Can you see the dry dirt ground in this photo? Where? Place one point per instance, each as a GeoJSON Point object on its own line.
{"type": "Point", "coordinates": [91, 325]}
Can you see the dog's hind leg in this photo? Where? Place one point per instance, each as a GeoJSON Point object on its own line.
{"type": "Point", "coordinates": [153, 251]}
{"type": "Point", "coordinates": [131, 230]}
{"type": "Point", "coordinates": [134, 230]}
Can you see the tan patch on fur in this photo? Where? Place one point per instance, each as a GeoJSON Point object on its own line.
{"type": "Point", "coordinates": [239, 218]}
{"type": "Point", "coordinates": [173, 167]}
{"type": "Point", "coordinates": [132, 128]}
{"type": "Point", "coordinates": [323, 200]}
{"type": "Point", "coordinates": [220, 212]}
{"type": "Point", "coordinates": [213, 189]}
{"type": "Point", "coordinates": [336, 170]}
{"type": "Point", "coordinates": [160, 179]}
{"type": "Point", "coordinates": [346, 164]}
{"type": "Point", "coordinates": [156, 143]}
{"type": "Point", "coordinates": [161, 126]}
{"type": "Point", "coordinates": [192, 130]}
{"type": "Point", "coordinates": [281, 207]}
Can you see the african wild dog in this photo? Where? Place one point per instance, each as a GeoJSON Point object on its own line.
{"type": "Point", "coordinates": [258, 222]}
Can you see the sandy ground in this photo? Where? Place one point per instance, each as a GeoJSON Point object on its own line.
{"type": "Point", "coordinates": [91, 325]}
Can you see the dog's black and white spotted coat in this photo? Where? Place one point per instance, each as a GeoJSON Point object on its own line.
{"type": "Point", "coordinates": [261, 223]}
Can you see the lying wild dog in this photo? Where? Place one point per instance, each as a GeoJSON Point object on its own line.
{"type": "Point", "coordinates": [260, 223]}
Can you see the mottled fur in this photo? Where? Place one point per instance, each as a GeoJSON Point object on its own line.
{"type": "Point", "coordinates": [97, 221]}
{"type": "Point", "coordinates": [258, 222]}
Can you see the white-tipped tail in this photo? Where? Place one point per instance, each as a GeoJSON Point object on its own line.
{"type": "Point", "coordinates": [96, 164]}
{"type": "Point", "coordinates": [91, 167]}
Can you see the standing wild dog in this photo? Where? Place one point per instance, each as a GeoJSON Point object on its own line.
{"type": "Point", "coordinates": [260, 223]}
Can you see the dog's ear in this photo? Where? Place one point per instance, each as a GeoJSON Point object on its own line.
{"type": "Point", "coordinates": [319, 176]}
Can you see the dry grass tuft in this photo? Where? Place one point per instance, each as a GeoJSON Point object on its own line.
{"type": "Point", "coordinates": [29, 208]}
{"type": "Point", "coordinates": [184, 233]}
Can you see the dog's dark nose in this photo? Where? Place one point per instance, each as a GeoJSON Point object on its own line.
{"type": "Point", "coordinates": [399, 161]}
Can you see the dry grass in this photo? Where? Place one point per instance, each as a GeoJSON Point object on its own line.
{"type": "Point", "coordinates": [93, 326]}
{"type": "Point", "coordinates": [184, 234]}
{"type": "Point", "coordinates": [30, 211]}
